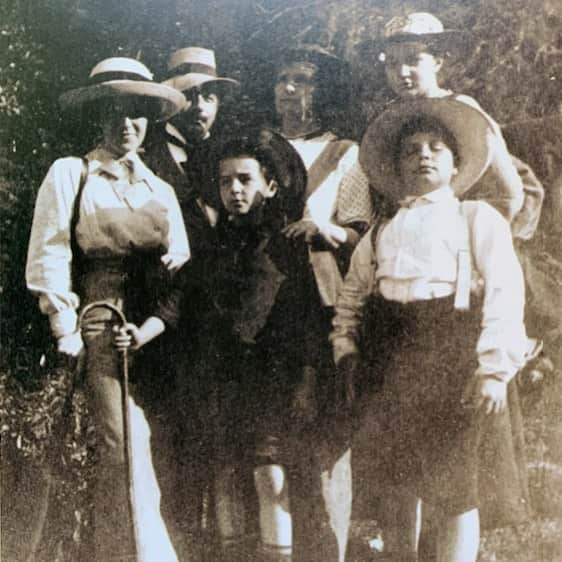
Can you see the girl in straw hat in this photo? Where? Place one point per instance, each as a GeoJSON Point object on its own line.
{"type": "Point", "coordinates": [414, 49]}
{"type": "Point", "coordinates": [448, 298]}
{"type": "Point", "coordinates": [106, 228]}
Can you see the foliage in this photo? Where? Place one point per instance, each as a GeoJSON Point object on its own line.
{"type": "Point", "coordinates": [512, 65]}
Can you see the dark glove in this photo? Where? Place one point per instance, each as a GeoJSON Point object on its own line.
{"type": "Point", "coordinates": [347, 371]}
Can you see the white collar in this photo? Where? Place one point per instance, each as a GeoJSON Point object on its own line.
{"type": "Point", "coordinates": [443, 194]}
{"type": "Point", "coordinates": [128, 166]}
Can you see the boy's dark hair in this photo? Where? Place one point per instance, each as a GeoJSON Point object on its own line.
{"type": "Point", "coordinates": [278, 161]}
{"type": "Point", "coordinates": [424, 124]}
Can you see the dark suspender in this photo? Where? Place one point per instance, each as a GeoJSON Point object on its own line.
{"type": "Point", "coordinates": [74, 218]}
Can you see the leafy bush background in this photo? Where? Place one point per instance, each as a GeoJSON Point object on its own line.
{"type": "Point", "coordinates": [512, 65]}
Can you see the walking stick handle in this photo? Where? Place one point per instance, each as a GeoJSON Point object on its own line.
{"type": "Point", "coordinates": [102, 304]}
{"type": "Point", "coordinates": [126, 417]}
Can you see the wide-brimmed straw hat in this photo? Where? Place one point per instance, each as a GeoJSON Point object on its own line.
{"type": "Point", "coordinates": [417, 27]}
{"type": "Point", "coordinates": [279, 156]}
{"type": "Point", "coordinates": [469, 127]}
{"type": "Point", "coordinates": [195, 66]}
{"type": "Point", "coordinates": [125, 77]}
{"type": "Point", "coordinates": [315, 54]}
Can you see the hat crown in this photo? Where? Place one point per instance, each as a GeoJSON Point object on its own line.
{"type": "Point", "coordinates": [192, 56]}
{"type": "Point", "coordinates": [123, 67]}
{"type": "Point", "coordinates": [417, 23]}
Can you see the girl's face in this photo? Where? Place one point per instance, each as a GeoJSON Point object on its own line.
{"type": "Point", "coordinates": [411, 71]}
{"type": "Point", "coordinates": [124, 125]}
{"type": "Point", "coordinates": [295, 89]}
{"type": "Point", "coordinates": [426, 162]}
{"type": "Point", "coordinates": [243, 186]}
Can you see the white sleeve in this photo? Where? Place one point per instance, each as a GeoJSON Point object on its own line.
{"type": "Point", "coordinates": [356, 289]}
{"type": "Point", "coordinates": [178, 243]}
{"type": "Point", "coordinates": [503, 340]}
{"type": "Point", "coordinates": [48, 268]}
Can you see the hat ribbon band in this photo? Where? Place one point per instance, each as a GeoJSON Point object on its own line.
{"type": "Point", "coordinates": [108, 76]}
{"type": "Point", "coordinates": [195, 68]}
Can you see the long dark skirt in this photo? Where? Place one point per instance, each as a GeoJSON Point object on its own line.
{"type": "Point", "coordinates": [451, 456]}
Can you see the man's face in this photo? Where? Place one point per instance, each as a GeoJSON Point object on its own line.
{"type": "Point", "coordinates": [124, 125]}
{"type": "Point", "coordinates": [196, 120]}
{"type": "Point", "coordinates": [243, 186]}
{"type": "Point", "coordinates": [425, 162]}
{"type": "Point", "coordinates": [410, 70]}
{"type": "Point", "coordinates": [295, 88]}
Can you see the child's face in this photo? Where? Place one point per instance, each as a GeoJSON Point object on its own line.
{"type": "Point", "coordinates": [243, 186]}
{"type": "Point", "coordinates": [426, 162]}
{"type": "Point", "coordinates": [411, 71]}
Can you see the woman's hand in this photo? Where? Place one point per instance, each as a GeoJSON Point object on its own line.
{"type": "Point", "coordinates": [71, 344]}
{"type": "Point", "coordinates": [173, 262]}
{"type": "Point", "coordinates": [132, 337]}
{"type": "Point", "coordinates": [127, 337]}
{"type": "Point", "coordinates": [330, 233]}
{"type": "Point", "coordinates": [305, 228]}
{"type": "Point", "coordinates": [486, 392]}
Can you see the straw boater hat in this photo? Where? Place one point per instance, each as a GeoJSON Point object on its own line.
{"type": "Point", "coordinates": [414, 28]}
{"type": "Point", "coordinates": [120, 77]}
{"type": "Point", "coordinates": [469, 127]}
{"type": "Point", "coordinates": [418, 26]}
{"type": "Point", "coordinates": [194, 66]}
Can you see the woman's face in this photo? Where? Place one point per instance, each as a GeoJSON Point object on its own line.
{"type": "Point", "coordinates": [295, 88]}
{"type": "Point", "coordinates": [124, 125]}
{"type": "Point", "coordinates": [411, 71]}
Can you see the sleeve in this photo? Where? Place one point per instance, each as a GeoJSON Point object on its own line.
{"type": "Point", "coordinates": [500, 186]}
{"type": "Point", "coordinates": [354, 199]}
{"type": "Point", "coordinates": [49, 257]}
{"type": "Point", "coordinates": [178, 243]}
{"type": "Point", "coordinates": [503, 341]}
{"type": "Point", "coordinates": [356, 289]}
{"type": "Point", "coordinates": [525, 224]}
{"type": "Point", "coordinates": [169, 304]}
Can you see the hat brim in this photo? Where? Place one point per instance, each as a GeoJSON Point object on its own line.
{"type": "Point", "coordinates": [452, 39]}
{"type": "Point", "coordinates": [471, 129]}
{"type": "Point", "coordinates": [184, 82]}
{"type": "Point", "coordinates": [168, 101]}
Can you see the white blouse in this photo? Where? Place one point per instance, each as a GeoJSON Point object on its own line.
{"type": "Point", "coordinates": [124, 207]}
{"type": "Point", "coordinates": [416, 258]}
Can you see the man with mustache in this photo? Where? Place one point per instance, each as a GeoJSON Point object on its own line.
{"type": "Point", "coordinates": [181, 152]}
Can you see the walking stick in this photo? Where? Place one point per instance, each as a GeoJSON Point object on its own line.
{"type": "Point", "coordinates": [126, 419]}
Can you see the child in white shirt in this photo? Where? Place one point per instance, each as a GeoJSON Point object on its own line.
{"type": "Point", "coordinates": [447, 414]}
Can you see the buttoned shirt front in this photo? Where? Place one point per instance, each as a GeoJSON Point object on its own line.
{"type": "Point", "coordinates": [416, 258]}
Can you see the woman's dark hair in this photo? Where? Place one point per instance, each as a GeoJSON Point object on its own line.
{"type": "Point", "coordinates": [333, 84]}
{"type": "Point", "coordinates": [424, 124]}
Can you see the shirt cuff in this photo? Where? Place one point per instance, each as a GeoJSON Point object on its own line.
{"type": "Point", "coordinates": [63, 322]}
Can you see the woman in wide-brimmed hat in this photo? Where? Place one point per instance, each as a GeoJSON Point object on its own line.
{"type": "Point", "coordinates": [414, 49]}
{"type": "Point", "coordinates": [311, 93]}
{"type": "Point", "coordinates": [106, 228]}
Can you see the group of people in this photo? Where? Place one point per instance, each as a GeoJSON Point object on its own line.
{"type": "Point", "coordinates": [281, 283]}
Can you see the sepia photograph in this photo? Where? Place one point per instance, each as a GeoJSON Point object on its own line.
{"type": "Point", "coordinates": [281, 281]}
